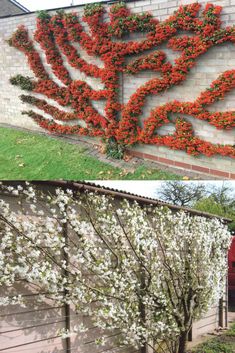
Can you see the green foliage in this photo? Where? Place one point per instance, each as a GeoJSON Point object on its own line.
{"type": "Point", "coordinates": [214, 346]}
{"type": "Point", "coordinates": [43, 15]}
{"type": "Point", "coordinates": [216, 207]}
{"type": "Point", "coordinates": [27, 99]}
{"type": "Point", "coordinates": [225, 343]}
{"type": "Point", "coordinates": [118, 6]}
{"type": "Point", "coordinates": [91, 9]}
{"type": "Point", "coordinates": [142, 22]}
{"type": "Point", "coordinates": [208, 204]}
{"type": "Point", "coordinates": [113, 149]}
{"type": "Point", "coordinates": [9, 41]}
{"type": "Point", "coordinates": [231, 331]}
{"type": "Point", "coordinates": [24, 82]}
{"type": "Point", "coordinates": [60, 12]}
{"type": "Point", "coordinates": [232, 226]}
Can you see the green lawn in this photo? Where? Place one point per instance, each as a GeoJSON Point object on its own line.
{"type": "Point", "coordinates": [225, 343]}
{"type": "Point", "coordinates": [30, 156]}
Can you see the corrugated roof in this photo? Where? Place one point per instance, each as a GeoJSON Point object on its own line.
{"type": "Point", "coordinates": [95, 187]}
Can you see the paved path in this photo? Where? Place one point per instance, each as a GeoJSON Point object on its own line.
{"type": "Point", "coordinates": [204, 338]}
{"type": "Point", "coordinates": [231, 316]}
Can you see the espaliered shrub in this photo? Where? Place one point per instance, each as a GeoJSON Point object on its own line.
{"type": "Point", "coordinates": [121, 123]}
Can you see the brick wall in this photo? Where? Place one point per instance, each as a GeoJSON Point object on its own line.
{"type": "Point", "coordinates": [208, 68]}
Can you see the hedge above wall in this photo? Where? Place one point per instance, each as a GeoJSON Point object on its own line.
{"type": "Point", "coordinates": [120, 124]}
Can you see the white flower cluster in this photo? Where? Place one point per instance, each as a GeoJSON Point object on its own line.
{"type": "Point", "coordinates": [140, 270]}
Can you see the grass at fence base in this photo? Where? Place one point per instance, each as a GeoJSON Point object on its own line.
{"type": "Point", "coordinates": [224, 343]}
{"type": "Point", "coordinates": [30, 156]}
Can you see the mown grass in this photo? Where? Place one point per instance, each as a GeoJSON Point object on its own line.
{"type": "Point", "coordinates": [30, 156]}
{"type": "Point", "coordinates": [225, 343]}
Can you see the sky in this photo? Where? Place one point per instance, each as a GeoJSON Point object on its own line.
{"type": "Point", "coordinates": [34, 5]}
{"type": "Point", "coordinates": [150, 188]}
{"type": "Point", "coordinates": [139, 187]}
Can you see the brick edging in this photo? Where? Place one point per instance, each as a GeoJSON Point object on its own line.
{"type": "Point", "coordinates": [186, 166]}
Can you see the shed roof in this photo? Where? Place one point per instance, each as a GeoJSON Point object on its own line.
{"type": "Point", "coordinates": [95, 187]}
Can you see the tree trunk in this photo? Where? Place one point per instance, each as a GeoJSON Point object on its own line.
{"type": "Point", "coordinates": [114, 149]}
{"type": "Point", "coordinates": [182, 342]}
{"type": "Point", "coordinates": [144, 349]}
{"type": "Point", "coordinates": [142, 308]}
{"type": "Point", "coordinates": [66, 275]}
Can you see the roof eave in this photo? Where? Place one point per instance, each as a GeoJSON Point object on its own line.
{"type": "Point", "coordinates": [122, 194]}
{"type": "Point", "coordinates": [16, 3]}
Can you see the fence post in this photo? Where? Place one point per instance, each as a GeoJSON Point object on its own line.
{"type": "Point", "coordinates": [66, 306]}
{"type": "Point", "coordinates": [221, 321]}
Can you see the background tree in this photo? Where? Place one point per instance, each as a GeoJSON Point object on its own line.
{"type": "Point", "coordinates": [207, 197]}
{"type": "Point", "coordinates": [220, 200]}
{"type": "Point", "coordinates": [143, 273]}
{"type": "Point", "coordinates": [73, 101]}
{"type": "Point", "coordinates": [224, 195]}
{"type": "Point", "coordinates": [181, 193]}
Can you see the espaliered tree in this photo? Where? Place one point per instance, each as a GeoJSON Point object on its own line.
{"type": "Point", "coordinates": [143, 273]}
{"type": "Point", "coordinates": [119, 126]}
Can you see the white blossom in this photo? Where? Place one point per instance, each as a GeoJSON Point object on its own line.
{"type": "Point", "coordinates": [140, 266]}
